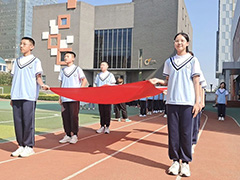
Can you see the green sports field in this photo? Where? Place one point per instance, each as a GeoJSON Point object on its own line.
{"type": "Point", "coordinates": [48, 118]}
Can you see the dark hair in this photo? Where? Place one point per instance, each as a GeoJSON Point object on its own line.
{"type": "Point", "coordinates": [120, 80]}
{"type": "Point", "coordinates": [223, 84]}
{"type": "Point", "coordinates": [185, 36]}
{"type": "Point", "coordinates": [104, 62]}
{"type": "Point", "coordinates": [190, 52]}
{"type": "Point", "coordinates": [70, 52]}
{"type": "Point", "coordinates": [30, 39]}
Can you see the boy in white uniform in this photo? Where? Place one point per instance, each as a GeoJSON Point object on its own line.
{"type": "Point", "coordinates": [26, 82]}
{"type": "Point", "coordinates": [71, 76]}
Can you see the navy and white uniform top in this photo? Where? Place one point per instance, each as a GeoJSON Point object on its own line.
{"type": "Point", "coordinates": [24, 83]}
{"type": "Point", "coordinates": [202, 81]}
{"type": "Point", "coordinates": [222, 93]}
{"type": "Point", "coordinates": [181, 70]}
{"type": "Point", "coordinates": [104, 78]}
{"type": "Point", "coordinates": [71, 77]}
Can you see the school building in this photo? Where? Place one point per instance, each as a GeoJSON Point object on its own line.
{"type": "Point", "coordinates": [228, 45]}
{"type": "Point", "coordinates": [134, 38]}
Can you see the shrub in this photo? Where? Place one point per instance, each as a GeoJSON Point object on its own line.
{"type": "Point", "coordinates": [46, 97]}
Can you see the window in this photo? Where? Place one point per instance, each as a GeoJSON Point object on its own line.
{"type": "Point", "coordinates": [54, 41]}
{"type": "Point", "coordinates": [64, 21]}
{"type": "Point", "coordinates": [113, 46]}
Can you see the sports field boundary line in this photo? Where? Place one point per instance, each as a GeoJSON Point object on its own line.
{"type": "Point", "coordinates": [113, 154]}
{"type": "Point", "coordinates": [11, 121]}
{"type": "Point", "coordinates": [82, 139]}
{"type": "Point", "coordinates": [199, 135]}
{"type": "Point", "coordinates": [234, 120]}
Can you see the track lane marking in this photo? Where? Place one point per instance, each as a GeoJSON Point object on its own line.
{"type": "Point", "coordinates": [111, 155]}
{"type": "Point", "coordinates": [82, 139]}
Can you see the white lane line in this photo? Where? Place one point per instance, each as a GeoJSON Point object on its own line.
{"type": "Point", "coordinates": [199, 134]}
{"type": "Point", "coordinates": [11, 121]}
{"type": "Point", "coordinates": [82, 139]}
{"type": "Point", "coordinates": [111, 155]}
{"type": "Point", "coordinates": [234, 120]}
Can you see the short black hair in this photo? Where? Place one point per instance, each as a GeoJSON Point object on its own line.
{"type": "Point", "coordinates": [104, 62]}
{"type": "Point", "coordinates": [70, 52]}
{"type": "Point", "coordinates": [30, 39]}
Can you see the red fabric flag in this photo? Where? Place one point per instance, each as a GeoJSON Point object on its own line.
{"type": "Point", "coordinates": [110, 94]}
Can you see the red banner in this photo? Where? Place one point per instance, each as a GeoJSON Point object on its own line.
{"type": "Point", "coordinates": [110, 94]}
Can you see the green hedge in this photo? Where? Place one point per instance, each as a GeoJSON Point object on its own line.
{"type": "Point", "coordinates": [46, 97]}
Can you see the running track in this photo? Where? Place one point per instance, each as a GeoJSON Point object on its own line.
{"type": "Point", "coordinates": [132, 151]}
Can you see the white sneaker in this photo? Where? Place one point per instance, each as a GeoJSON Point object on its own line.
{"type": "Point", "coordinates": [185, 170]}
{"type": "Point", "coordinates": [74, 139]}
{"type": "Point", "coordinates": [161, 111]}
{"type": "Point", "coordinates": [100, 130]}
{"type": "Point", "coordinates": [140, 115]}
{"type": "Point", "coordinates": [107, 131]}
{"type": "Point", "coordinates": [174, 169]}
{"type": "Point", "coordinates": [144, 115]}
{"type": "Point", "coordinates": [119, 120]}
{"type": "Point", "coordinates": [222, 119]}
{"type": "Point", "coordinates": [65, 139]}
{"type": "Point", "coordinates": [165, 116]}
{"type": "Point", "coordinates": [128, 120]}
{"type": "Point", "coordinates": [28, 151]}
{"type": "Point", "coordinates": [219, 118]}
{"type": "Point", "coordinates": [18, 151]}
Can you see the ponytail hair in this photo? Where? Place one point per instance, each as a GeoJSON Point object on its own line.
{"type": "Point", "coordinates": [185, 36]}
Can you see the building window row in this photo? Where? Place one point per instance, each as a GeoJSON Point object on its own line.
{"type": "Point", "coordinates": [113, 46]}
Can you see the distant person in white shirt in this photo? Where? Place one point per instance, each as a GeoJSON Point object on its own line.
{"type": "Point", "coordinates": [221, 101]}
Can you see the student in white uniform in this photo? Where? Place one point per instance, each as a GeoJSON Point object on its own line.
{"type": "Point", "coordinates": [26, 71]}
{"type": "Point", "coordinates": [182, 78]}
{"type": "Point", "coordinates": [71, 76]}
{"type": "Point", "coordinates": [104, 78]}
{"type": "Point", "coordinates": [221, 101]}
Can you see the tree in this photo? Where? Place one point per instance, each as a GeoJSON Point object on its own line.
{"type": "Point", "coordinates": [5, 78]}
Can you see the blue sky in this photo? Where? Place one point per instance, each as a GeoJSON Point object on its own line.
{"type": "Point", "coordinates": [204, 18]}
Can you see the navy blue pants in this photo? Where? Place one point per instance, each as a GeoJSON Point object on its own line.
{"type": "Point", "coordinates": [121, 107]}
{"type": "Point", "coordinates": [24, 121]}
{"type": "Point", "coordinates": [143, 107]}
{"type": "Point", "coordinates": [156, 106]}
{"type": "Point", "coordinates": [221, 110]}
{"type": "Point", "coordinates": [150, 104]}
{"type": "Point", "coordinates": [196, 126]}
{"type": "Point", "coordinates": [105, 114]}
{"type": "Point", "coordinates": [70, 118]}
{"type": "Point", "coordinates": [180, 125]}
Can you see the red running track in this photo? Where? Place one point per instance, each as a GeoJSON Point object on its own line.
{"type": "Point", "coordinates": [135, 150]}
